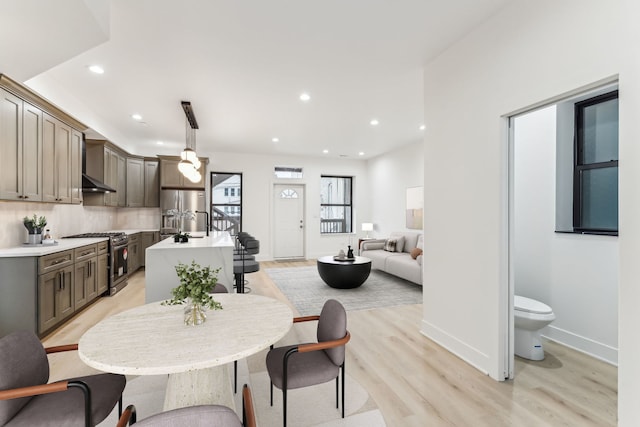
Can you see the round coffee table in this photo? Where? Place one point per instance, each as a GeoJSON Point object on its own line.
{"type": "Point", "coordinates": [344, 274]}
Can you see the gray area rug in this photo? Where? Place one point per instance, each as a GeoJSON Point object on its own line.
{"type": "Point", "coordinates": [307, 292]}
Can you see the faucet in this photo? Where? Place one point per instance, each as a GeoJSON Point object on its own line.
{"type": "Point", "coordinates": [206, 220]}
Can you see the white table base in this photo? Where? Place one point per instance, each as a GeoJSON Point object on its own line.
{"type": "Point", "coordinates": [199, 387]}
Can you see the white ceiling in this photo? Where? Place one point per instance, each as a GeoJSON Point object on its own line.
{"type": "Point", "coordinates": [242, 64]}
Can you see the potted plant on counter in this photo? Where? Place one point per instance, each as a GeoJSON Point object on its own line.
{"type": "Point", "coordinates": [196, 287]}
{"type": "Point", "coordinates": [180, 237]}
{"type": "Point", "coordinates": [35, 225]}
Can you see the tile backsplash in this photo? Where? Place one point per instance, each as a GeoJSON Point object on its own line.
{"type": "Point", "coordinates": [64, 220]}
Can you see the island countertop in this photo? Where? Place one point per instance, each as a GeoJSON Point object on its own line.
{"type": "Point", "coordinates": [215, 251]}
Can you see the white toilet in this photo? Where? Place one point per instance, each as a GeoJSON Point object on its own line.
{"type": "Point", "coordinates": [530, 316]}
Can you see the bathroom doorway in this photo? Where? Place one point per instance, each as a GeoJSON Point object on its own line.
{"type": "Point", "coordinates": [574, 273]}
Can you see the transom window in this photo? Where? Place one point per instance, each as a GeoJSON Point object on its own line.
{"type": "Point", "coordinates": [336, 210]}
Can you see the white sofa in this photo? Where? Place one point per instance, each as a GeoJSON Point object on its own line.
{"type": "Point", "coordinates": [399, 262]}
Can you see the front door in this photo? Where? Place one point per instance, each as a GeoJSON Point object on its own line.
{"type": "Point", "coordinates": [289, 224]}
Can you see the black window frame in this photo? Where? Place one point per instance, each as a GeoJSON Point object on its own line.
{"type": "Point", "coordinates": [347, 206]}
{"type": "Point", "coordinates": [227, 193]}
{"type": "Point", "coordinates": [580, 166]}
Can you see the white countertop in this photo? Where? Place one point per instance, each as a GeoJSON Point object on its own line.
{"type": "Point", "coordinates": [133, 231]}
{"type": "Point", "coordinates": [197, 240]}
{"type": "Point", "coordinates": [41, 250]}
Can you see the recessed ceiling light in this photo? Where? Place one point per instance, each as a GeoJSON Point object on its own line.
{"type": "Point", "coordinates": [361, 153]}
{"type": "Point", "coordinates": [374, 122]}
{"type": "Point", "coordinates": [422, 127]}
{"type": "Point", "coordinates": [137, 117]}
{"type": "Point", "coordinates": [325, 151]}
{"type": "Point", "coordinates": [96, 69]}
{"type": "Point", "coordinates": [275, 139]}
{"type": "Point", "coordinates": [305, 97]}
{"type": "Point", "coordinates": [160, 143]}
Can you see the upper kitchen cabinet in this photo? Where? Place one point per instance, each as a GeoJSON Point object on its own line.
{"type": "Point", "coordinates": [40, 148]}
{"type": "Point", "coordinates": [135, 182]}
{"type": "Point", "coordinates": [106, 163]}
{"type": "Point", "coordinates": [172, 178]}
{"type": "Point", "coordinates": [151, 183]}
{"type": "Point", "coordinates": [20, 149]}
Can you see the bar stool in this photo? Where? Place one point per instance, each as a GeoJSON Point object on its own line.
{"type": "Point", "coordinates": [245, 265]}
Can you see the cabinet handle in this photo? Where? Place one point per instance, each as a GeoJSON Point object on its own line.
{"type": "Point", "coordinates": [25, 197]}
{"type": "Point", "coordinates": [60, 281]}
{"type": "Point", "coordinates": [56, 262]}
{"type": "Point", "coordinates": [63, 284]}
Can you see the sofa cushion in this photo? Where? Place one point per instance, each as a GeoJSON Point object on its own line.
{"type": "Point", "coordinates": [401, 238]}
{"type": "Point", "coordinates": [415, 252]}
{"type": "Point", "coordinates": [394, 244]}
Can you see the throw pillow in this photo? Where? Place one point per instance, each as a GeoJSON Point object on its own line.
{"type": "Point", "coordinates": [415, 252]}
{"type": "Point", "coordinates": [399, 238]}
{"type": "Point", "coordinates": [390, 245]}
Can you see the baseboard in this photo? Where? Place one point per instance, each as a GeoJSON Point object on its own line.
{"type": "Point", "coordinates": [472, 356]}
{"type": "Point", "coordinates": [582, 344]}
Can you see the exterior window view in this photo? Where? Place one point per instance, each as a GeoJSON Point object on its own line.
{"type": "Point", "coordinates": [335, 204]}
{"type": "Point", "coordinates": [319, 213]}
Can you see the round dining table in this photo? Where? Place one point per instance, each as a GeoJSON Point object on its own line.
{"type": "Point", "coordinates": [152, 340]}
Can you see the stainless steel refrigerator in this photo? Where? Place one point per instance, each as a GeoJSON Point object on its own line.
{"type": "Point", "coordinates": [177, 206]}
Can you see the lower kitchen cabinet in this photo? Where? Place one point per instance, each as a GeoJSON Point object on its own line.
{"type": "Point", "coordinates": [149, 238]}
{"type": "Point", "coordinates": [133, 262]}
{"type": "Point", "coordinates": [85, 275]}
{"type": "Point", "coordinates": [55, 297]}
{"type": "Point", "coordinates": [39, 293]}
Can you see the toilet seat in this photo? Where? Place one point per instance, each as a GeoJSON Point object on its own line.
{"type": "Point", "coordinates": [529, 305]}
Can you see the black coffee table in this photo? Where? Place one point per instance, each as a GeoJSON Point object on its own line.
{"type": "Point", "coordinates": [344, 274]}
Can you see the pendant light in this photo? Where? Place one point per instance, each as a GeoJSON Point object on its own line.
{"type": "Point", "coordinates": [189, 163]}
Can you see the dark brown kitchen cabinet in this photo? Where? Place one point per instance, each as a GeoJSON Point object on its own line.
{"type": "Point", "coordinates": [172, 178]}
{"type": "Point", "coordinates": [103, 268]}
{"type": "Point", "coordinates": [40, 148]}
{"type": "Point", "coordinates": [20, 149]}
{"type": "Point", "coordinates": [149, 238]}
{"type": "Point", "coordinates": [133, 262]}
{"type": "Point", "coordinates": [108, 164]}
{"type": "Point", "coordinates": [55, 289]}
{"type": "Point", "coordinates": [151, 183]}
{"type": "Point", "coordinates": [85, 275]}
{"type": "Point", "coordinates": [135, 182]}
{"type": "Point", "coordinates": [56, 160]}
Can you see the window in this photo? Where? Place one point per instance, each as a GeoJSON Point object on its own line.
{"type": "Point", "coordinates": [287, 172]}
{"type": "Point", "coordinates": [336, 204]}
{"type": "Point", "coordinates": [595, 178]}
{"type": "Point", "coordinates": [226, 202]}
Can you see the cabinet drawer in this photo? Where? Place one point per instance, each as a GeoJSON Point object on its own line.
{"type": "Point", "coordinates": [54, 261]}
{"type": "Point", "coordinates": [103, 247]}
{"type": "Point", "coordinates": [134, 237]}
{"type": "Point", "coordinates": [85, 252]}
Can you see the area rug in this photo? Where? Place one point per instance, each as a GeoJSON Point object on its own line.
{"type": "Point", "coordinates": [310, 406]}
{"type": "Point", "coordinates": [308, 292]}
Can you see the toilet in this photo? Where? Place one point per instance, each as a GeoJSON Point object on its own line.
{"type": "Point", "coordinates": [530, 316]}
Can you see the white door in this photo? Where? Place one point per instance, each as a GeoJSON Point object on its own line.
{"type": "Point", "coordinates": [289, 223]}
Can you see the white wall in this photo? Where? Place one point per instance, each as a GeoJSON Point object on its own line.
{"type": "Point", "coordinates": [258, 180]}
{"type": "Point", "coordinates": [577, 275]}
{"type": "Point", "coordinates": [528, 53]}
{"type": "Point", "coordinates": [389, 176]}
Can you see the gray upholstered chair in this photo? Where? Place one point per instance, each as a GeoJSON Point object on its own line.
{"type": "Point", "coordinates": [303, 365]}
{"type": "Point", "coordinates": [197, 416]}
{"type": "Point", "coordinates": [27, 400]}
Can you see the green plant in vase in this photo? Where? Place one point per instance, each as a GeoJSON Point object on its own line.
{"type": "Point", "coordinates": [196, 285]}
{"type": "Point", "coordinates": [34, 224]}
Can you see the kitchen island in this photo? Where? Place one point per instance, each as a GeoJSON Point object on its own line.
{"type": "Point", "coordinates": [215, 251]}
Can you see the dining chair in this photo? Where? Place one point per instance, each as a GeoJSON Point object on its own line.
{"type": "Point", "coordinates": [197, 416]}
{"type": "Point", "coordinates": [303, 365]}
{"type": "Point", "coordinates": [27, 400]}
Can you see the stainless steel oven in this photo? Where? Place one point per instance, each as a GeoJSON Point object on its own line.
{"type": "Point", "coordinates": [118, 254]}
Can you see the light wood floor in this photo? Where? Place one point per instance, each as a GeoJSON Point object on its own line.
{"type": "Point", "coordinates": [413, 381]}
